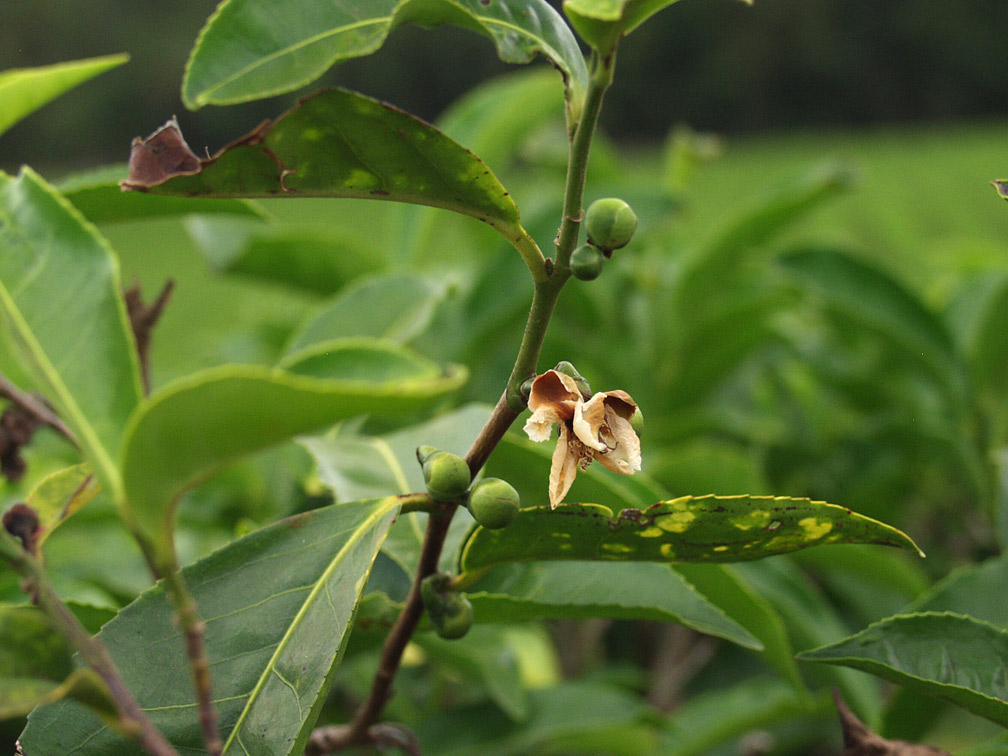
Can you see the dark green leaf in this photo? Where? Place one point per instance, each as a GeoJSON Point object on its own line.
{"type": "Point", "coordinates": [483, 656]}
{"type": "Point", "coordinates": [577, 590]}
{"type": "Point", "coordinates": [194, 426]}
{"type": "Point", "coordinates": [710, 720]}
{"type": "Point", "coordinates": [949, 656]}
{"type": "Point", "coordinates": [277, 606]}
{"type": "Point", "coordinates": [687, 529]}
{"type": "Point", "coordinates": [722, 586]}
{"type": "Point", "coordinates": [253, 48]}
{"type": "Point", "coordinates": [84, 360]}
{"type": "Point", "coordinates": [341, 144]}
{"type": "Point", "coordinates": [969, 590]}
{"type": "Point", "coordinates": [23, 90]}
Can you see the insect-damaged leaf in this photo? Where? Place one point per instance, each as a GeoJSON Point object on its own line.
{"type": "Point", "coordinates": [687, 529]}
{"type": "Point", "coordinates": [334, 144]}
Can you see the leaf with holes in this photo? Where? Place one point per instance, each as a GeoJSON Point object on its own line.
{"type": "Point", "coordinates": [687, 529]}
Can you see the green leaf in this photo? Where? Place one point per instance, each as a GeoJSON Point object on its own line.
{"type": "Point", "coordinates": [482, 655]}
{"type": "Point", "coordinates": [277, 606]}
{"type": "Point", "coordinates": [84, 360]}
{"type": "Point", "coordinates": [968, 590]}
{"type": "Point", "coordinates": [578, 590]}
{"type": "Point", "coordinates": [945, 655]}
{"type": "Point", "coordinates": [23, 90]}
{"type": "Point", "coordinates": [36, 666]}
{"type": "Point", "coordinates": [397, 306]}
{"type": "Point", "coordinates": [98, 197]}
{"type": "Point", "coordinates": [602, 23]}
{"type": "Point", "coordinates": [253, 48]}
{"type": "Point", "coordinates": [687, 529]}
{"type": "Point", "coordinates": [724, 587]}
{"type": "Point", "coordinates": [196, 425]}
{"type": "Point", "coordinates": [61, 495]}
{"type": "Point", "coordinates": [315, 261]}
{"type": "Point", "coordinates": [341, 144]}
{"type": "Point", "coordinates": [361, 360]}
{"type": "Point", "coordinates": [882, 304]}
{"type": "Point", "coordinates": [712, 719]}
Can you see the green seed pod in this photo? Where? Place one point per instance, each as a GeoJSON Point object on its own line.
{"type": "Point", "coordinates": [493, 503]}
{"type": "Point", "coordinates": [447, 475]}
{"type": "Point", "coordinates": [586, 262]}
{"type": "Point", "coordinates": [610, 223]}
{"type": "Point", "coordinates": [450, 612]}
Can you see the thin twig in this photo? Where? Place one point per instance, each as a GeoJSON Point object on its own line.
{"type": "Point", "coordinates": [142, 318]}
{"type": "Point", "coordinates": [36, 408]}
{"type": "Point", "coordinates": [193, 628]}
{"type": "Point", "coordinates": [132, 717]}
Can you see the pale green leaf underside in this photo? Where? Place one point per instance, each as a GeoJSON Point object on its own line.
{"type": "Point", "coordinates": [251, 49]}
{"type": "Point", "coordinates": [949, 656]}
{"type": "Point", "coordinates": [63, 316]}
{"type": "Point", "coordinates": [24, 90]}
{"type": "Point", "coordinates": [60, 495]}
{"type": "Point", "coordinates": [192, 427]}
{"type": "Point", "coordinates": [621, 590]}
{"type": "Point", "coordinates": [602, 23]}
{"type": "Point", "coordinates": [277, 605]}
{"type": "Point", "coordinates": [687, 529]}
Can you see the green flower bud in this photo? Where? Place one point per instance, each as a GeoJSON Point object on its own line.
{"type": "Point", "coordinates": [637, 421]}
{"type": "Point", "coordinates": [447, 475]}
{"type": "Point", "coordinates": [450, 612]}
{"type": "Point", "coordinates": [568, 369]}
{"type": "Point", "coordinates": [610, 223]}
{"type": "Point", "coordinates": [493, 503]}
{"type": "Point", "coordinates": [586, 262]}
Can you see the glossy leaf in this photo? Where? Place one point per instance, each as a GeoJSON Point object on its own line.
{"type": "Point", "coordinates": [397, 306]}
{"type": "Point", "coordinates": [315, 261]}
{"type": "Point", "coordinates": [946, 655]}
{"type": "Point", "coordinates": [36, 666]}
{"type": "Point", "coordinates": [61, 495]}
{"type": "Point", "coordinates": [687, 529]}
{"type": "Point", "coordinates": [84, 361]}
{"type": "Point", "coordinates": [339, 144]}
{"type": "Point", "coordinates": [23, 90]}
{"type": "Point", "coordinates": [715, 718]}
{"type": "Point", "coordinates": [277, 605]}
{"type": "Point", "coordinates": [193, 427]}
{"type": "Point", "coordinates": [577, 590]}
{"type": "Point", "coordinates": [252, 48]}
{"type": "Point", "coordinates": [98, 197]}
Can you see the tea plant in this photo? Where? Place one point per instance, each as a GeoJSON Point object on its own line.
{"type": "Point", "coordinates": [423, 551]}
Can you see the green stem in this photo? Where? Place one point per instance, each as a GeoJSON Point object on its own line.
{"type": "Point", "coordinates": [577, 167]}
{"type": "Point", "coordinates": [193, 628]}
{"type": "Point", "coordinates": [95, 655]}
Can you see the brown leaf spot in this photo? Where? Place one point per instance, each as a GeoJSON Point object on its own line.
{"type": "Point", "coordinates": [159, 157]}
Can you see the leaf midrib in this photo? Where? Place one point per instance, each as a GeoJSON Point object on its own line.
{"type": "Point", "coordinates": [322, 581]}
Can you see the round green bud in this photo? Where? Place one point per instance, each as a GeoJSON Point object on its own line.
{"type": "Point", "coordinates": [423, 453]}
{"type": "Point", "coordinates": [568, 369]}
{"type": "Point", "coordinates": [637, 421]}
{"type": "Point", "coordinates": [586, 262]}
{"type": "Point", "coordinates": [447, 476]}
{"type": "Point", "coordinates": [493, 503]}
{"type": "Point", "coordinates": [451, 614]}
{"type": "Point", "coordinates": [610, 223]}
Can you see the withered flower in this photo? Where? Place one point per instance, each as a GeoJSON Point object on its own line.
{"type": "Point", "coordinates": [591, 427]}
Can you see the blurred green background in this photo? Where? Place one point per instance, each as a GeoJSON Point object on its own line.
{"type": "Point", "coordinates": [714, 64]}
